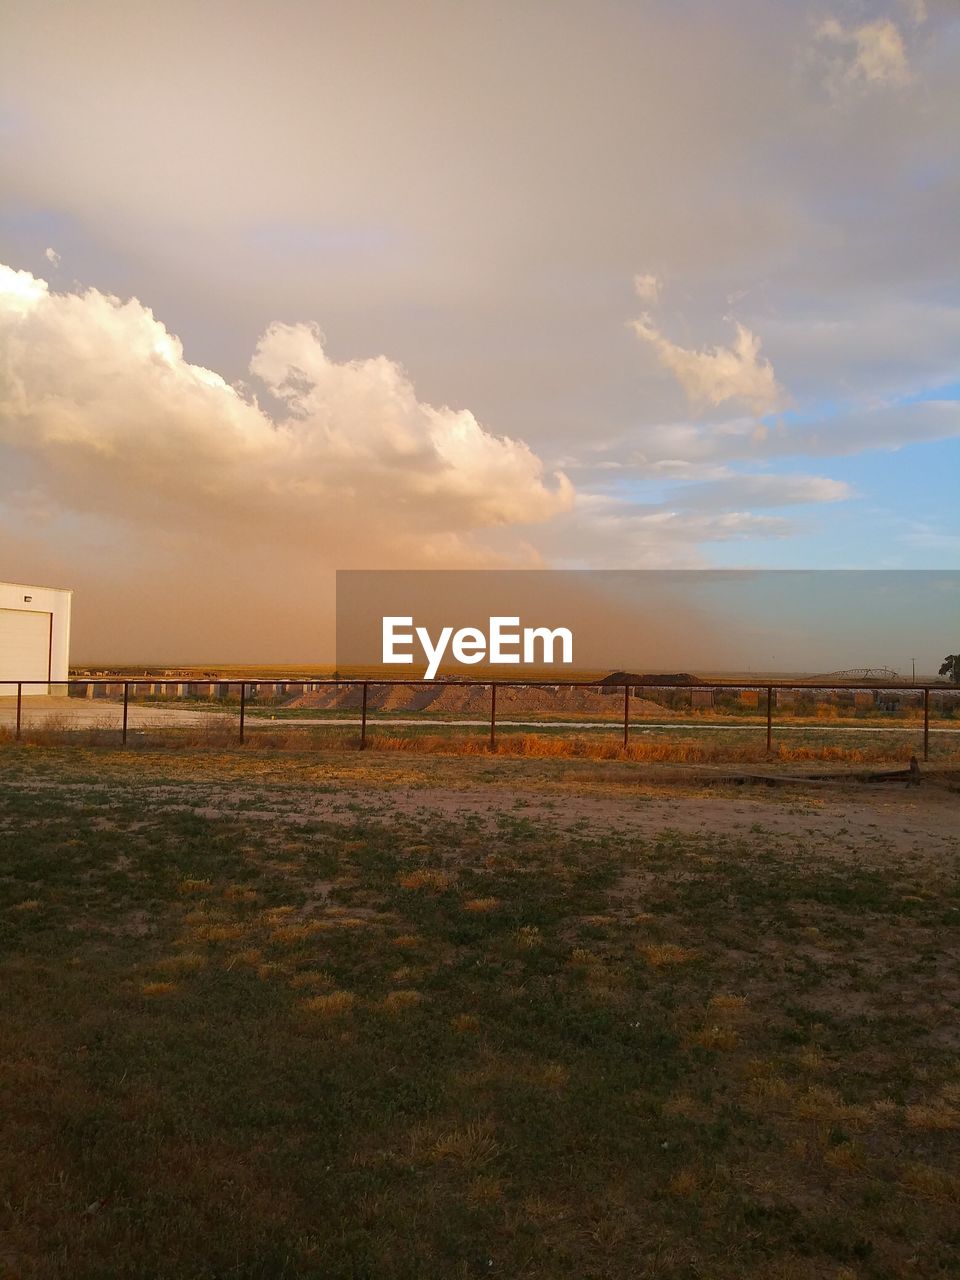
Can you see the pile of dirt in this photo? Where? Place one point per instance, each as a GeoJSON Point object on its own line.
{"type": "Point", "coordinates": [402, 697]}
{"type": "Point", "coordinates": [474, 700]}
{"type": "Point", "coordinates": [329, 698]}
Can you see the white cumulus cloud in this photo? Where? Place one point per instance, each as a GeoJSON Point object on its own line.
{"type": "Point", "coordinates": [98, 397]}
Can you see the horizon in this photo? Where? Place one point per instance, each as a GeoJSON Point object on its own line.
{"type": "Point", "coordinates": [481, 674]}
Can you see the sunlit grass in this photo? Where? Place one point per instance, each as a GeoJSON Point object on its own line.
{"type": "Point", "coordinates": [332, 1004]}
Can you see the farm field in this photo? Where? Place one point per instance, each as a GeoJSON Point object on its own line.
{"type": "Point", "coordinates": [334, 1015]}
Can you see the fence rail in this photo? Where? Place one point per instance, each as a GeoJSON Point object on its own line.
{"type": "Point", "coordinates": [224, 687]}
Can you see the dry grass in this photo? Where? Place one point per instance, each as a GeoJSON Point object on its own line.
{"type": "Point", "coordinates": [292, 935]}
{"type": "Point", "coordinates": [239, 893]}
{"type": "Point", "coordinates": [472, 1146]}
{"type": "Point", "coordinates": [728, 1006]}
{"type": "Point", "coordinates": [397, 1002]}
{"type": "Point", "coordinates": [935, 1116]}
{"type": "Point", "coordinates": [846, 1157]}
{"type": "Point", "coordinates": [195, 886]}
{"type": "Point", "coordinates": [259, 1028]}
{"type": "Point", "coordinates": [217, 932]}
{"type": "Point", "coordinates": [479, 906]}
{"type": "Point", "coordinates": [661, 954]}
{"type": "Point", "coordinates": [484, 1190]}
{"type": "Point", "coordinates": [184, 962]}
{"type": "Point", "coordinates": [553, 1075]}
{"type": "Point", "coordinates": [932, 1184]}
{"type": "Point", "coordinates": [710, 736]}
{"type": "Point", "coordinates": [312, 980]}
{"type": "Point", "coordinates": [676, 749]}
{"type": "Point", "coordinates": [717, 1038]}
{"type": "Point", "coordinates": [684, 1183]}
{"type": "Point", "coordinates": [465, 1023]}
{"type": "Point", "coordinates": [426, 878]}
{"type": "Point", "coordinates": [334, 1004]}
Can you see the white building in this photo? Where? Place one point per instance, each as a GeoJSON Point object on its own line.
{"type": "Point", "coordinates": [34, 637]}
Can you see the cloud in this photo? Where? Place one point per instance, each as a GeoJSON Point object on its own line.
{"type": "Point", "coordinates": [52, 256]}
{"type": "Point", "coordinates": [917, 10]}
{"type": "Point", "coordinates": [876, 53]}
{"type": "Point", "coordinates": [647, 288]}
{"type": "Point", "coordinates": [883, 352]}
{"type": "Point", "coordinates": [606, 531]}
{"type": "Point", "coordinates": [686, 451]}
{"type": "Point", "coordinates": [610, 530]}
{"type": "Point", "coordinates": [98, 401]}
{"type": "Point", "coordinates": [740, 492]}
{"type": "Point", "coordinates": [715, 376]}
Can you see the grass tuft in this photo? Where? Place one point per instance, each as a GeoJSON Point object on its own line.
{"type": "Point", "coordinates": [426, 878]}
{"type": "Point", "coordinates": [934, 1116]}
{"type": "Point", "coordinates": [312, 980]}
{"type": "Point", "coordinates": [473, 1146]}
{"type": "Point", "coordinates": [397, 1002]}
{"type": "Point", "coordinates": [333, 1004]}
{"type": "Point", "coordinates": [194, 886]}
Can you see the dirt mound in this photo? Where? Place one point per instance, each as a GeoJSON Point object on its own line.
{"type": "Point", "coordinates": [329, 698]}
{"type": "Point", "coordinates": [402, 698]}
{"type": "Point", "coordinates": [474, 700]}
{"type": "Point", "coordinates": [461, 699]}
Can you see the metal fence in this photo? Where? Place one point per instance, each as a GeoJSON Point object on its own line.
{"type": "Point", "coordinates": [247, 687]}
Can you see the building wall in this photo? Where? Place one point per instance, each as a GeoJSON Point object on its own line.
{"type": "Point", "coordinates": [51, 600]}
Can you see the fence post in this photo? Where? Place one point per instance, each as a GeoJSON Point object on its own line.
{"type": "Point", "coordinates": [769, 716]}
{"type": "Point", "coordinates": [126, 706]}
{"type": "Point", "coordinates": [243, 705]}
{"type": "Point", "coordinates": [19, 706]}
{"type": "Point", "coordinates": [493, 716]}
{"type": "Point", "coordinates": [626, 714]}
{"type": "Point", "coordinates": [926, 724]}
{"type": "Point", "coordinates": [363, 717]}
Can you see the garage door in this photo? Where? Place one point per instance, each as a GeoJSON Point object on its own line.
{"type": "Point", "coordinates": [24, 648]}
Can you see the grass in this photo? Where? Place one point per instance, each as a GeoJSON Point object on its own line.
{"type": "Point", "coordinates": [296, 1017]}
{"type": "Point", "coordinates": [709, 745]}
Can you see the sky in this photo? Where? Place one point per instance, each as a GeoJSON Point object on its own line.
{"type": "Point", "coordinates": [702, 622]}
{"type": "Point", "coordinates": [307, 286]}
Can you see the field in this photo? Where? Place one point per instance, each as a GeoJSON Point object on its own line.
{"type": "Point", "coordinates": [587, 725]}
{"type": "Point", "coordinates": [331, 1015]}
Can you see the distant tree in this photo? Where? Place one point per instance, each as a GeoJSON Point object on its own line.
{"type": "Point", "coordinates": [951, 667]}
